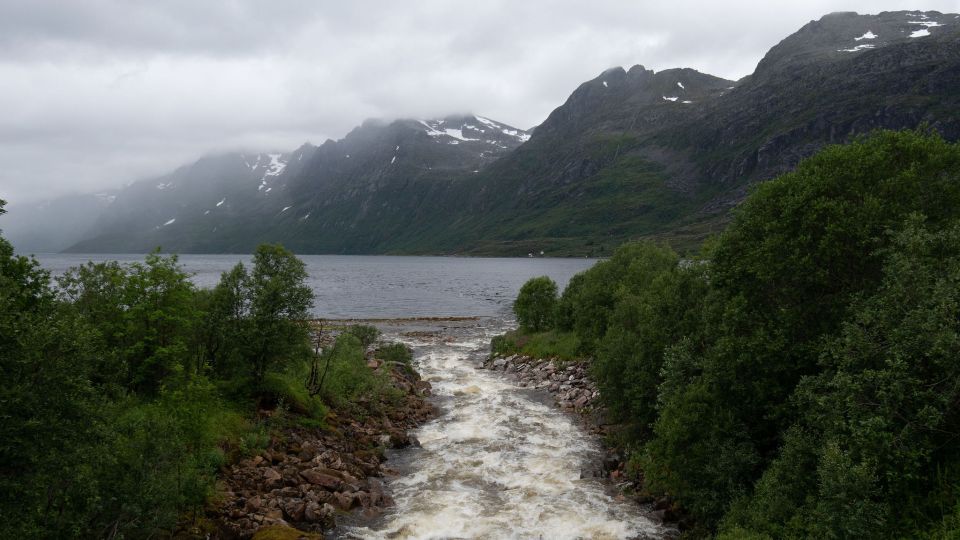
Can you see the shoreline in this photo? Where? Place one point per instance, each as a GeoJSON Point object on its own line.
{"type": "Point", "coordinates": [308, 477]}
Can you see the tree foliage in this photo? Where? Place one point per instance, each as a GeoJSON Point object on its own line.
{"type": "Point", "coordinates": [536, 304]}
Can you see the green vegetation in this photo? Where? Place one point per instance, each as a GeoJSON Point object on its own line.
{"type": "Point", "coordinates": [366, 334]}
{"type": "Point", "coordinates": [552, 343]}
{"type": "Point", "coordinates": [800, 380]}
{"type": "Point", "coordinates": [536, 303]}
{"type": "Point", "coordinates": [125, 388]}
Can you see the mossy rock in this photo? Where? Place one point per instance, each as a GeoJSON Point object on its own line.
{"type": "Point", "coordinates": [282, 532]}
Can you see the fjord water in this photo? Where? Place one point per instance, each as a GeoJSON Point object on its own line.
{"type": "Point", "coordinates": [499, 461]}
{"type": "Point", "coordinates": [358, 287]}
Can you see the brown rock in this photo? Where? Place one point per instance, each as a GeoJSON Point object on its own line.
{"type": "Point", "coordinates": [294, 510]}
{"type": "Point", "coordinates": [312, 512]}
{"type": "Point", "coordinates": [272, 478]}
{"type": "Point", "coordinates": [399, 439]}
{"type": "Point", "coordinates": [253, 504]}
{"type": "Point", "coordinates": [344, 501]}
{"type": "Point", "coordinates": [318, 478]}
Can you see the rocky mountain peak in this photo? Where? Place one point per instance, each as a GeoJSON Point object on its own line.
{"type": "Point", "coordinates": [837, 36]}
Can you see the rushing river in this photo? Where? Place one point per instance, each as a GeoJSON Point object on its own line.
{"type": "Point", "coordinates": [500, 461]}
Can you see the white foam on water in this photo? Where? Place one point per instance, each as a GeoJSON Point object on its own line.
{"type": "Point", "coordinates": [498, 463]}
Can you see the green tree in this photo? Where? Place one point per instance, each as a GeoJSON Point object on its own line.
{"type": "Point", "coordinates": [536, 304]}
{"type": "Point", "coordinates": [279, 307]}
{"type": "Point", "coordinates": [783, 278]}
{"type": "Point", "coordinates": [51, 417]}
{"type": "Point", "coordinates": [882, 419]}
{"type": "Point", "coordinates": [227, 323]}
{"type": "Point", "coordinates": [146, 313]}
{"type": "Point", "coordinates": [657, 302]}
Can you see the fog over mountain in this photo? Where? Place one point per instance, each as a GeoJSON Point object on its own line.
{"type": "Point", "coordinates": [100, 93]}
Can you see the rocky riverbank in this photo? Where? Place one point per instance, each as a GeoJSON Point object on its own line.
{"type": "Point", "coordinates": [306, 477]}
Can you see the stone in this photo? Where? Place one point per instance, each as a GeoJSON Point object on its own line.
{"type": "Point", "coordinates": [294, 510]}
{"type": "Point", "coordinates": [399, 439]}
{"type": "Point", "coordinates": [344, 501]}
{"type": "Point", "coordinates": [313, 512]}
{"type": "Point", "coordinates": [318, 478]}
{"type": "Point", "coordinates": [272, 478]}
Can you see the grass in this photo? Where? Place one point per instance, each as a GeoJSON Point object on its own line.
{"type": "Point", "coordinates": [288, 388]}
{"type": "Point", "coordinates": [551, 344]}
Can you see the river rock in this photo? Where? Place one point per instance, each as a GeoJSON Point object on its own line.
{"type": "Point", "coordinates": [314, 476]}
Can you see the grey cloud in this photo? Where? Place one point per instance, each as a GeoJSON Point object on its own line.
{"type": "Point", "coordinates": [96, 93]}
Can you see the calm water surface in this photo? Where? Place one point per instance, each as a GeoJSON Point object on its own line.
{"type": "Point", "coordinates": [350, 286]}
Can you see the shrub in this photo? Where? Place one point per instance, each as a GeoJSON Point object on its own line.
{"type": "Point", "coordinates": [536, 304]}
{"type": "Point", "coordinates": [366, 333]}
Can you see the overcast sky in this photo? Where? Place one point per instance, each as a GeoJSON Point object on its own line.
{"type": "Point", "coordinates": [96, 93]}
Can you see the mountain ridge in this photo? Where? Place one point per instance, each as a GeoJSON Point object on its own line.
{"type": "Point", "coordinates": [631, 153]}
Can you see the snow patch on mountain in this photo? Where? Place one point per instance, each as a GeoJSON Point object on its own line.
{"type": "Point", "coordinates": [519, 135]}
{"type": "Point", "coordinates": [858, 48]}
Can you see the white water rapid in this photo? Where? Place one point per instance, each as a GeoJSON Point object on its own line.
{"type": "Point", "coordinates": [497, 463]}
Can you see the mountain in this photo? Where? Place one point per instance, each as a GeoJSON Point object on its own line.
{"type": "Point", "coordinates": [641, 154]}
{"type": "Point", "coordinates": [343, 196]}
{"type": "Point", "coordinates": [632, 153]}
{"type": "Point", "coordinates": [149, 213]}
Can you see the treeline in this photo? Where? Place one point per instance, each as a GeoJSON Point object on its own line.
{"type": "Point", "coordinates": [800, 378]}
{"type": "Point", "coordinates": [125, 388]}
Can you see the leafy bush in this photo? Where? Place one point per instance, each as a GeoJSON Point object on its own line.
{"type": "Point", "coordinates": [349, 378]}
{"type": "Point", "coordinates": [395, 353]}
{"type": "Point", "coordinates": [288, 387]}
{"type": "Point", "coordinates": [367, 334]}
{"type": "Point", "coordinates": [536, 304]}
